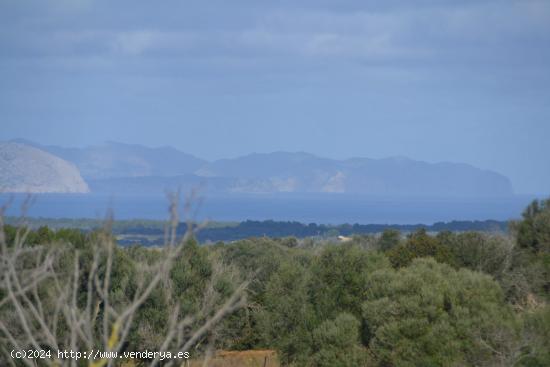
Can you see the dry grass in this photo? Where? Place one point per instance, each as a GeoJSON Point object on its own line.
{"type": "Point", "coordinates": [247, 358]}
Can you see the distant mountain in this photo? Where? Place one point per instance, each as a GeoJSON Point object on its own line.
{"type": "Point", "coordinates": [302, 172]}
{"type": "Point", "coordinates": [116, 168]}
{"type": "Point", "coordinates": [31, 170]}
{"type": "Point", "coordinates": [116, 160]}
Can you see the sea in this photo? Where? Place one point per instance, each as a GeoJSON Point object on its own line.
{"type": "Point", "coordinates": [310, 208]}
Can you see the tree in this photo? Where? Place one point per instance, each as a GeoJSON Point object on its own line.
{"type": "Point", "coordinates": [533, 231]}
{"type": "Point", "coordinates": [429, 314]}
{"type": "Point", "coordinates": [259, 259]}
{"type": "Point", "coordinates": [336, 343]}
{"type": "Point", "coordinates": [389, 239]}
{"type": "Point", "coordinates": [488, 253]}
{"type": "Point", "coordinates": [533, 237]}
{"type": "Point", "coordinates": [286, 319]}
{"type": "Point", "coordinates": [339, 279]}
{"type": "Point", "coordinates": [536, 350]}
{"type": "Point", "coordinates": [419, 244]}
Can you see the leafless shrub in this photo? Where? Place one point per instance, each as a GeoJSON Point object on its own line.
{"type": "Point", "coordinates": [45, 308]}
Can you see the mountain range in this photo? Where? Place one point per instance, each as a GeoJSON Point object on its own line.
{"type": "Point", "coordinates": [115, 168]}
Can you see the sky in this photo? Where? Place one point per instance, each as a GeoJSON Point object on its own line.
{"type": "Point", "coordinates": [459, 81]}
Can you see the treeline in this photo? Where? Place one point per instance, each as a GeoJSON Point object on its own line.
{"type": "Point", "coordinates": [421, 299]}
{"type": "Point", "coordinates": [133, 231]}
{"type": "Point", "coordinates": [270, 228]}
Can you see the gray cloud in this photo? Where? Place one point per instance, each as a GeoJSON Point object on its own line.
{"type": "Point", "coordinates": [399, 33]}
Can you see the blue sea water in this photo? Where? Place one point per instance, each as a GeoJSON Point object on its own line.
{"type": "Point", "coordinates": [318, 208]}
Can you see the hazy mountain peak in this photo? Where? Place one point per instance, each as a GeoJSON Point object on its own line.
{"type": "Point", "coordinates": [402, 176]}
{"type": "Point", "coordinates": [115, 160]}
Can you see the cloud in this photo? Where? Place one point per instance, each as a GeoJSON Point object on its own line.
{"type": "Point", "coordinates": [437, 40]}
{"type": "Point", "coordinates": [399, 34]}
{"type": "Point", "coordinates": [134, 43]}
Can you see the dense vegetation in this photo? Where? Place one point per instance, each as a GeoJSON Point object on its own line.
{"type": "Point", "coordinates": [460, 299]}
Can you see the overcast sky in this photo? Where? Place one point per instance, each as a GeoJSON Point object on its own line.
{"type": "Point", "coordinates": [462, 81]}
